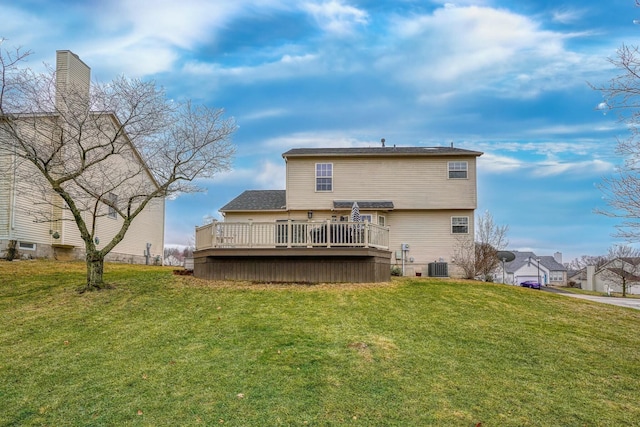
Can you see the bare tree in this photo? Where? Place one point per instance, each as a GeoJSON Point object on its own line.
{"type": "Point", "coordinates": [586, 260]}
{"type": "Point", "coordinates": [623, 267]}
{"type": "Point", "coordinates": [622, 190]}
{"type": "Point", "coordinates": [490, 238]}
{"type": "Point", "coordinates": [109, 149]}
{"type": "Point", "coordinates": [9, 61]}
{"type": "Point", "coordinates": [479, 257]}
{"type": "Point", "coordinates": [464, 255]}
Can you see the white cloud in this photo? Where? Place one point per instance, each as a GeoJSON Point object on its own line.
{"type": "Point", "coordinates": [263, 114]}
{"type": "Point", "coordinates": [335, 17]}
{"type": "Point", "coordinates": [268, 175]}
{"type": "Point", "coordinates": [499, 164]}
{"type": "Point", "coordinates": [463, 49]}
{"type": "Point", "coordinates": [271, 175]}
{"type": "Point", "coordinates": [285, 67]}
{"type": "Point", "coordinates": [567, 16]}
{"type": "Point", "coordinates": [316, 140]}
{"type": "Point", "coordinates": [138, 58]}
{"type": "Point", "coordinates": [587, 167]}
{"type": "Point", "coordinates": [146, 37]}
{"type": "Point", "coordinates": [493, 163]}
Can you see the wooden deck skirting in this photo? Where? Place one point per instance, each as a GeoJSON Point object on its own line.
{"type": "Point", "coordinates": [294, 265]}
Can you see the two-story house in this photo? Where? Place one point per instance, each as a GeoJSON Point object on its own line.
{"type": "Point", "coordinates": [415, 203]}
{"type": "Point", "coordinates": [37, 221]}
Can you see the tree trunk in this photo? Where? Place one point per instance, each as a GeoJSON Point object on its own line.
{"type": "Point", "coordinates": [95, 270]}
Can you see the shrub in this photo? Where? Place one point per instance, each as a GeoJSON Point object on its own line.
{"type": "Point", "coordinates": [12, 251]}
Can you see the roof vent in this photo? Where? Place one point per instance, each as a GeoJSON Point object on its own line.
{"type": "Point", "coordinates": [382, 141]}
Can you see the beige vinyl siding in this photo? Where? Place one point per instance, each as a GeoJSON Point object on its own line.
{"type": "Point", "coordinates": [411, 183]}
{"type": "Point", "coordinates": [428, 234]}
{"type": "Point", "coordinates": [257, 216]}
{"type": "Point", "coordinates": [320, 215]}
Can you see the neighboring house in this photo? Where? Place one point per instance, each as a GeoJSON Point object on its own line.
{"type": "Point", "coordinates": [54, 234]}
{"type": "Point", "coordinates": [421, 199]}
{"type": "Point", "coordinates": [173, 261]}
{"type": "Point", "coordinates": [547, 270]}
{"type": "Point", "coordinates": [608, 278]}
{"type": "Point", "coordinates": [576, 277]}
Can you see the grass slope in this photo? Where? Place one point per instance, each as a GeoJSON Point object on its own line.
{"type": "Point", "coordinates": [165, 350]}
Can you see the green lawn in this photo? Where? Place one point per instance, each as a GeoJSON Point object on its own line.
{"type": "Point", "coordinates": [165, 350]}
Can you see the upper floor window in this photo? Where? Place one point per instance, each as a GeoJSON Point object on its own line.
{"type": "Point", "coordinates": [111, 213]}
{"type": "Point", "coordinates": [324, 177]}
{"type": "Point", "coordinates": [458, 170]}
{"type": "Point", "coordinates": [460, 224]}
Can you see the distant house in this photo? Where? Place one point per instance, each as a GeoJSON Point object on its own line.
{"type": "Point", "coordinates": [547, 270]}
{"type": "Point", "coordinates": [55, 235]}
{"type": "Point", "coordinates": [173, 261]}
{"type": "Point", "coordinates": [608, 278]}
{"type": "Point", "coordinates": [414, 203]}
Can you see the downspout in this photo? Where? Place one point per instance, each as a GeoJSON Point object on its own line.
{"type": "Point", "coordinates": [14, 189]}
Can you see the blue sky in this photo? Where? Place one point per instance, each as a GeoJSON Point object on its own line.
{"type": "Point", "coordinates": [508, 78]}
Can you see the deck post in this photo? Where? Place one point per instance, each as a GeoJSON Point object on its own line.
{"type": "Point", "coordinates": [289, 233]}
{"type": "Point", "coordinates": [328, 235]}
{"type": "Point", "coordinates": [366, 234]}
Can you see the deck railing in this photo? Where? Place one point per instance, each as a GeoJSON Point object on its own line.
{"type": "Point", "coordinates": [291, 234]}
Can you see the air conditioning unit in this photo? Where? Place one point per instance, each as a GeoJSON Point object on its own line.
{"type": "Point", "coordinates": [438, 269]}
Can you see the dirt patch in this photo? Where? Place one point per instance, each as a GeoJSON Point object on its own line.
{"type": "Point", "coordinates": [190, 281]}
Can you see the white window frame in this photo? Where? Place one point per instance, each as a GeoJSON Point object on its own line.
{"type": "Point", "coordinates": [457, 169]}
{"type": "Point", "coordinates": [328, 167]}
{"type": "Point", "coordinates": [382, 220]}
{"type": "Point", "coordinates": [556, 276]}
{"type": "Point", "coordinates": [111, 212]}
{"type": "Point", "coordinates": [456, 222]}
{"type": "Point", "coordinates": [26, 246]}
{"type": "Point", "coordinates": [366, 218]}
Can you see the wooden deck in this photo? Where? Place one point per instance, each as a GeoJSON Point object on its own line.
{"type": "Point", "coordinates": [292, 234]}
{"type": "Point", "coordinates": [294, 265]}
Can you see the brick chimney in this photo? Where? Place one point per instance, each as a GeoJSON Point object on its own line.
{"type": "Point", "coordinates": [73, 78]}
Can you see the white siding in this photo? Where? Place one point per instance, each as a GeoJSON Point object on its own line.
{"type": "Point", "coordinates": [72, 77]}
{"type": "Point", "coordinates": [38, 215]}
{"type": "Point", "coordinates": [30, 204]}
{"type": "Point", "coordinates": [6, 194]}
{"type": "Point", "coordinates": [148, 227]}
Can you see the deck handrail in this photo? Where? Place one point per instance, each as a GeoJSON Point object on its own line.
{"type": "Point", "coordinates": [290, 234]}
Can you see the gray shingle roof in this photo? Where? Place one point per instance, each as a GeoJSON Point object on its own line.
{"type": "Point", "coordinates": [363, 204]}
{"type": "Point", "coordinates": [551, 263]}
{"type": "Point", "coordinates": [522, 258]}
{"type": "Point", "coordinates": [258, 200]}
{"type": "Point", "coordinates": [380, 151]}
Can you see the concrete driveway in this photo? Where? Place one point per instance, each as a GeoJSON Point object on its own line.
{"type": "Point", "coordinates": [621, 302]}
